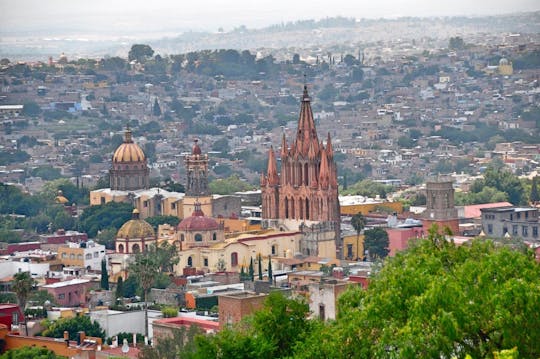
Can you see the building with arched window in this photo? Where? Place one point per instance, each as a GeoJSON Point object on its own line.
{"type": "Point", "coordinates": [199, 230]}
{"type": "Point", "coordinates": [134, 236]}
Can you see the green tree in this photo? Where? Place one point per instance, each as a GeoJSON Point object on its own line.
{"type": "Point", "coordinates": [104, 275]}
{"type": "Point", "coordinates": [157, 220]}
{"type": "Point", "coordinates": [358, 221]}
{"type": "Point", "coordinates": [41, 297]}
{"type": "Point", "coordinates": [228, 185]}
{"type": "Point", "coordinates": [22, 285]}
{"type": "Point", "coordinates": [109, 215]}
{"type": "Point", "coordinates": [376, 242]}
{"type": "Point", "coordinates": [260, 267]}
{"type": "Point", "coordinates": [456, 43]}
{"type": "Point", "coordinates": [439, 300]}
{"type": "Point", "coordinates": [147, 267]}
{"type": "Point", "coordinates": [31, 109]}
{"type": "Point", "coordinates": [30, 352]}
{"type": "Point", "coordinates": [156, 109]}
{"type": "Point", "coordinates": [140, 52]}
{"type": "Point", "coordinates": [251, 271]}
{"type": "Point", "coordinates": [73, 326]}
{"type": "Point", "coordinates": [270, 269]}
{"type": "Point", "coordinates": [120, 288]}
{"type": "Point", "coordinates": [534, 197]}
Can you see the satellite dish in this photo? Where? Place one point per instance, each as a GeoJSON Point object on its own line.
{"type": "Point", "coordinates": [125, 347]}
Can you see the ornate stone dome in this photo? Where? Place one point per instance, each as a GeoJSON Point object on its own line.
{"type": "Point", "coordinates": [128, 151]}
{"type": "Point", "coordinates": [136, 228]}
{"type": "Point", "coordinates": [198, 221]}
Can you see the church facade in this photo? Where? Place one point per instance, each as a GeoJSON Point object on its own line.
{"type": "Point", "coordinates": [305, 193]}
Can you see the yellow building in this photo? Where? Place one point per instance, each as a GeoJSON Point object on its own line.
{"type": "Point", "coordinates": [353, 247]}
{"type": "Point", "coordinates": [351, 205]}
{"type": "Point", "coordinates": [134, 236]}
{"type": "Point", "coordinates": [505, 67]}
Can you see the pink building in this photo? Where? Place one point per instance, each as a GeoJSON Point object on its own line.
{"type": "Point", "coordinates": [70, 293]}
{"type": "Point", "coordinates": [398, 238]}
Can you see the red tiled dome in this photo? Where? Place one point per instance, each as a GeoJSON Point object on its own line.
{"type": "Point", "coordinates": [198, 221]}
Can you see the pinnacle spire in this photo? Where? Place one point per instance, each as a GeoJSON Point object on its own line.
{"type": "Point", "coordinates": [306, 132]}
{"type": "Point", "coordinates": [324, 172]}
{"type": "Point", "coordinates": [273, 178]}
{"type": "Point", "coordinates": [329, 148]}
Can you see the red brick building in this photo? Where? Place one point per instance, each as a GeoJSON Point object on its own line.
{"type": "Point", "coordinates": [307, 188]}
{"type": "Point", "coordinates": [235, 306]}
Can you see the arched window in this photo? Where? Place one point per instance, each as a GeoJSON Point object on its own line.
{"type": "Point", "coordinates": [214, 236]}
{"type": "Point", "coordinates": [176, 244]}
{"type": "Point", "coordinates": [286, 207]}
{"type": "Point", "coordinates": [190, 261]}
{"type": "Point", "coordinates": [72, 256]}
{"type": "Point", "coordinates": [135, 248]}
{"type": "Point", "coordinates": [198, 237]}
{"type": "Point", "coordinates": [234, 259]}
{"type": "Point", "coordinates": [88, 256]}
{"type": "Point", "coordinates": [307, 209]}
{"type": "Point", "coordinates": [120, 248]}
{"type": "Point", "coordinates": [306, 177]}
{"type": "Point", "coordinates": [182, 237]}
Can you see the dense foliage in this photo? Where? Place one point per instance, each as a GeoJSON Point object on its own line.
{"type": "Point", "coordinates": [73, 326]}
{"type": "Point", "coordinates": [109, 215]}
{"type": "Point", "coordinates": [438, 300]}
{"type": "Point", "coordinates": [30, 352]}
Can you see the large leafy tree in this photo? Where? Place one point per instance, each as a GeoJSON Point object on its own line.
{"type": "Point", "coordinates": [438, 300]}
{"type": "Point", "coordinates": [30, 352]}
{"type": "Point", "coordinates": [109, 215]}
{"type": "Point", "coordinates": [140, 52]}
{"type": "Point", "coordinates": [376, 242]}
{"type": "Point", "coordinates": [270, 333]}
{"type": "Point", "coordinates": [73, 326]}
{"type": "Point", "coordinates": [147, 267]}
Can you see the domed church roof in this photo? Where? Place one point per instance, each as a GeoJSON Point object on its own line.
{"type": "Point", "coordinates": [128, 151]}
{"type": "Point", "coordinates": [136, 228]}
{"type": "Point", "coordinates": [198, 221]}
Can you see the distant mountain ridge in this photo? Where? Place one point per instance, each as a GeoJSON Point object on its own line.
{"type": "Point", "coordinates": [336, 31]}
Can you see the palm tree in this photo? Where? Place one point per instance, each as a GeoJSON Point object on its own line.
{"type": "Point", "coordinates": [358, 221]}
{"type": "Point", "coordinates": [23, 283]}
{"type": "Point", "coordinates": [145, 268]}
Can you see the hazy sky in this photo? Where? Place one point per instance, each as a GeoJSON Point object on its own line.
{"type": "Point", "coordinates": [163, 15]}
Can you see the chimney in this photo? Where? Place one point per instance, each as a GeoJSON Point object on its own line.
{"type": "Point", "coordinates": [81, 336]}
{"type": "Point", "coordinates": [66, 337]}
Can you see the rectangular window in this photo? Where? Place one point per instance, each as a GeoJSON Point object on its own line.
{"type": "Point", "coordinates": [15, 318]}
{"type": "Point", "coordinates": [490, 228]}
{"type": "Point", "coordinates": [173, 205]}
{"type": "Point", "coordinates": [349, 251]}
{"type": "Point", "coordinates": [61, 296]}
{"type": "Point", "coordinates": [145, 204]}
{"type": "Point", "coordinates": [515, 230]}
{"type": "Point", "coordinates": [535, 231]}
{"type": "Point", "coordinates": [205, 261]}
{"type": "Point", "coordinates": [519, 215]}
{"type": "Point", "coordinates": [322, 314]}
{"type": "Point", "coordinates": [524, 231]}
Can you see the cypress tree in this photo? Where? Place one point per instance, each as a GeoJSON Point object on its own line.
{"type": "Point", "coordinates": [104, 275]}
{"type": "Point", "coordinates": [270, 269]}
{"type": "Point", "coordinates": [120, 288]}
{"type": "Point", "coordinates": [242, 274]}
{"type": "Point", "coordinates": [260, 267]}
{"type": "Point", "coordinates": [534, 196]}
{"type": "Point", "coordinates": [251, 270]}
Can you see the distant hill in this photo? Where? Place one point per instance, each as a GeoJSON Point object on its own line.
{"type": "Point", "coordinates": [339, 31]}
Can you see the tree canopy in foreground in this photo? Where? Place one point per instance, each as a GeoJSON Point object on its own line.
{"type": "Point", "coordinates": [434, 300]}
{"type": "Point", "coordinates": [438, 300]}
